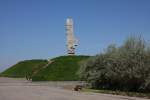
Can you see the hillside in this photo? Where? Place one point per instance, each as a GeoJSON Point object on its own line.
{"type": "Point", "coordinates": [57, 69]}
{"type": "Point", "coordinates": [61, 68]}
{"type": "Point", "coordinates": [23, 68]}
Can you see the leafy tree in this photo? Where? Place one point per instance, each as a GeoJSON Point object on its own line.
{"type": "Point", "coordinates": [124, 68]}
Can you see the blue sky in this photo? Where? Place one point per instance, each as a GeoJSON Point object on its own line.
{"type": "Point", "coordinates": [34, 29]}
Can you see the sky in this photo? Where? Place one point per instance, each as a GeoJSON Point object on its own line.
{"type": "Point", "coordinates": [35, 29]}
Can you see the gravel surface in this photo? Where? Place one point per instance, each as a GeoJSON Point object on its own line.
{"type": "Point", "coordinates": [20, 89]}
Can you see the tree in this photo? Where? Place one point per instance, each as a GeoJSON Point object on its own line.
{"type": "Point", "coordinates": [124, 68]}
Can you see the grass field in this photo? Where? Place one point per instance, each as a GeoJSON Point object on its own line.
{"type": "Point", "coordinates": [22, 68]}
{"type": "Point", "coordinates": [62, 68]}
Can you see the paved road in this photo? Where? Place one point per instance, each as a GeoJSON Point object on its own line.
{"type": "Point", "coordinates": [20, 89]}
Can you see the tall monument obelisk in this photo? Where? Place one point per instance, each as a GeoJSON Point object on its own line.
{"type": "Point", "coordinates": [71, 40]}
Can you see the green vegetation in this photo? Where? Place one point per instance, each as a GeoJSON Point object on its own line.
{"type": "Point", "coordinates": [62, 68]}
{"type": "Point", "coordinates": [23, 68]}
{"type": "Point", "coordinates": [124, 68]}
{"type": "Point", "coordinates": [117, 92]}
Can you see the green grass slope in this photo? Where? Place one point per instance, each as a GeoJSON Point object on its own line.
{"type": "Point", "coordinates": [24, 67]}
{"type": "Point", "coordinates": [62, 68]}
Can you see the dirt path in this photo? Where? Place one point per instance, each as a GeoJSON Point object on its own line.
{"type": "Point", "coordinates": [20, 89]}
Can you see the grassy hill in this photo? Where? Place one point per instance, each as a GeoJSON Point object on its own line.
{"type": "Point", "coordinates": [61, 68]}
{"type": "Point", "coordinates": [24, 67]}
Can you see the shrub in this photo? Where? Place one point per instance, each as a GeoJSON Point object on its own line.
{"type": "Point", "coordinates": [124, 68]}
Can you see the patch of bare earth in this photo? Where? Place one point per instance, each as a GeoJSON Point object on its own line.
{"type": "Point", "coordinates": [20, 89]}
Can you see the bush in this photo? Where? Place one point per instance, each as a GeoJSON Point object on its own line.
{"type": "Point", "coordinates": [39, 78]}
{"type": "Point", "coordinates": [124, 68]}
